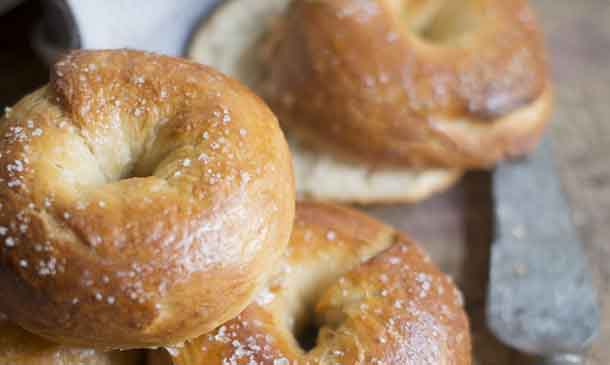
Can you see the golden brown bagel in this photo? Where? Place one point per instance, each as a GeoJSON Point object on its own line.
{"type": "Point", "coordinates": [18, 347]}
{"type": "Point", "coordinates": [144, 199]}
{"type": "Point", "coordinates": [374, 294]}
{"type": "Point", "coordinates": [411, 83]}
{"type": "Point", "coordinates": [231, 40]}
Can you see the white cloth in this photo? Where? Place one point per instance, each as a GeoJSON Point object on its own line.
{"type": "Point", "coordinates": [162, 26]}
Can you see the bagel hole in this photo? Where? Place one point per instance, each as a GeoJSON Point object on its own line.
{"type": "Point", "coordinates": [135, 171]}
{"type": "Point", "coordinates": [145, 164]}
{"type": "Point", "coordinates": [307, 333]}
{"type": "Point", "coordinates": [308, 325]}
{"type": "Point", "coordinates": [442, 22]}
{"type": "Point", "coordinates": [305, 325]}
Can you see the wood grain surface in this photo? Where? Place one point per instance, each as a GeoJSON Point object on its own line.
{"type": "Point", "coordinates": [456, 227]}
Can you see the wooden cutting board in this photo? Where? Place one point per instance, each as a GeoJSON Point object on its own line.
{"type": "Point", "coordinates": [456, 227]}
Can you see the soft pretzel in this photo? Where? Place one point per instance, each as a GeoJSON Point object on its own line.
{"type": "Point", "coordinates": [18, 347]}
{"type": "Point", "coordinates": [411, 83]}
{"type": "Point", "coordinates": [373, 293]}
{"type": "Point", "coordinates": [232, 40]}
{"type": "Point", "coordinates": [144, 199]}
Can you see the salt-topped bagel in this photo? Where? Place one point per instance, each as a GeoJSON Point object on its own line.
{"type": "Point", "coordinates": [143, 200]}
{"type": "Point", "coordinates": [374, 295]}
{"type": "Point", "coordinates": [411, 83]}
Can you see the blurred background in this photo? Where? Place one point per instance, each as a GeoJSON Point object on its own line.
{"type": "Point", "coordinates": [457, 226]}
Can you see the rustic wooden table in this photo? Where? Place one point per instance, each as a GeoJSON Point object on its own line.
{"type": "Point", "coordinates": [456, 227]}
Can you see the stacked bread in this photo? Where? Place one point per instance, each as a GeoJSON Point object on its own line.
{"type": "Point", "coordinates": [148, 202]}
{"type": "Point", "coordinates": [387, 101]}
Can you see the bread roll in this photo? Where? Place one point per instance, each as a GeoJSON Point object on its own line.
{"type": "Point", "coordinates": [455, 84]}
{"type": "Point", "coordinates": [350, 290]}
{"type": "Point", "coordinates": [143, 201]}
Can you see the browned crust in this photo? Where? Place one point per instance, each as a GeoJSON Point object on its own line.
{"type": "Point", "coordinates": [347, 78]}
{"type": "Point", "coordinates": [230, 40]}
{"type": "Point", "coordinates": [92, 259]}
{"type": "Point", "coordinates": [375, 294]}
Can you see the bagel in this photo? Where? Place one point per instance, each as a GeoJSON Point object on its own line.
{"type": "Point", "coordinates": [396, 83]}
{"type": "Point", "coordinates": [18, 347]}
{"type": "Point", "coordinates": [374, 295]}
{"type": "Point", "coordinates": [412, 83]}
{"type": "Point", "coordinates": [232, 40]}
{"type": "Point", "coordinates": [143, 201]}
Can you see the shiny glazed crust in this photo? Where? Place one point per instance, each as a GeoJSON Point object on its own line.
{"type": "Point", "coordinates": [431, 83]}
{"type": "Point", "coordinates": [232, 40]}
{"type": "Point", "coordinates": [18, 347]}
{"type": "Point", "coordinates": [373, 293]}
{"type": "Point", "coordinates": [144, 199]}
